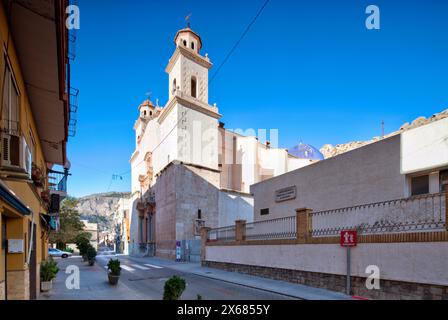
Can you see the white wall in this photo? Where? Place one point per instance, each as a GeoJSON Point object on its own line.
{"type": "Point", "coordinates": [234, 206]}
{"type": "Point", "coordinates": [412, 262]}
{"type": "Point", "coordinates": [365, 175]}
{"type": "Point", "coordinates": [425, 147]}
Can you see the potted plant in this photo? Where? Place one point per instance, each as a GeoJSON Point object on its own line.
{"type": "Point", "coordinates": [48, 271]}
{"type": "Point", "coordinates": [91, 255]}
{"type": "Point", "coordinates": [45, 196]}
{"type": "Point", "coordinates": [37, 176]}
{"type": "Point", "coordinates": [174, 287]}
{"type": "Point", "coordinates": [113, 266]}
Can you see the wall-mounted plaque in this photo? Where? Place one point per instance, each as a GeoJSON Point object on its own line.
{"type": "Point", "coordinates": [285, 194]}
{"type": "Point", "coordinates": [15, 246]}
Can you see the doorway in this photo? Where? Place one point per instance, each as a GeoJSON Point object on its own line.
{"type": "Point", "coordinates": [4, 247]}
{"type": "Point", "coordinates": [32, 266]}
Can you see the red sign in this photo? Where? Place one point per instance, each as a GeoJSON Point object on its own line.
{"type": "Point", "coordinates": [349, 238]}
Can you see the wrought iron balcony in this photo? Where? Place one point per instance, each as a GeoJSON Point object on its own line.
{"type": "Point", "coordinates": [57, 181]}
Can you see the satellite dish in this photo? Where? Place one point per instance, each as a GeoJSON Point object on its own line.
{"type": "Point", "coordinates": [67, 165]}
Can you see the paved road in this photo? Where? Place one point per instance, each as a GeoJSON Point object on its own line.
{"type": "Point", "coordinates": [141, 280]}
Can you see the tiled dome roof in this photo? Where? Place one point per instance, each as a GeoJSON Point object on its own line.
{"type": "Point", "coordinates": [306, 151]}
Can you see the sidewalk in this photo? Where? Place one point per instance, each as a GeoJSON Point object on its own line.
{"type": "Point", "coordinates": [269, 285]}
{"type": "Point", "coordinates": [94, 285]}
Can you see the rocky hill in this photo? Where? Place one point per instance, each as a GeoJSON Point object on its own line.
{"type": "Point", "coordinates": [329, 150]}
{"type": "Point", "coordinates": [100, 207]}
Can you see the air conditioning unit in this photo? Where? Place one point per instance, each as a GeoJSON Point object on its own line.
{"type": "Point", "coordinates": [10, 150]}
{"type": "Point", "coordinates": [27, 158]}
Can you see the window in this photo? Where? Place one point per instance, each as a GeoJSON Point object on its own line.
{"type": "Point", "coordinates": [444, 181]}
{"type": "Point", "coordinates": [150, 113]}
{"type": "Point", "coordinates": [144, 112]}
{"type": "Point", "coordinates": [174, 86]}
{"type": "Point", "coordinates": [199, 214]}
{"type": "Point", "coordinates": [10, 112]}
{"type": "Point", "coordinates": [192, 45]}
{"type": "Point", "coordinates": [185, 43]}
{"type": "Point", "coordinates": [419, 185]}
{"type": "Point", "coordinates": [193, 86]}
{"type": "Point", "coordinates": [264, 212]}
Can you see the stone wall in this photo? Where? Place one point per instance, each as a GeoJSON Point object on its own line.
{"type": "Point", "coordinates": [18, 284]}
{"type": "Point", "coordinates": [389, 289]}
{"type": "Point", "coordinates": [2, 290]}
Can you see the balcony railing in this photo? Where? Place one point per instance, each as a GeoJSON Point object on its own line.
{"type": "Point", "coordinates": [57, 181]}
{"type": "Point", "coordinates": [73, 103]}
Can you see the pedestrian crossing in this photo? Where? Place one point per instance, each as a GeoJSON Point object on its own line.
{"type": "Point", "coordinates": [133, 267]}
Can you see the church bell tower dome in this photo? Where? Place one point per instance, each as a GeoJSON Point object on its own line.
{"type": "Point", "coordinates": [189, 39]}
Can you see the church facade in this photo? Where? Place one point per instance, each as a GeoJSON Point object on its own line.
{"type": "Point", "coordinates": [187, 169]}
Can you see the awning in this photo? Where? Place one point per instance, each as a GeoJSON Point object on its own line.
{"type": "Point", "coordinates": [11, 199]}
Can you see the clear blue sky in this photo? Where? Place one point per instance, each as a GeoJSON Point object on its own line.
{"type": "Point", "coordinates": [309, 68]}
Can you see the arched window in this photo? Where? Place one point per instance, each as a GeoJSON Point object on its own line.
{"type": "Point", "coordinates": [150, 113]}
{"type": "Point", "coordinates": [174, 86]}
{"type": "Point", "coordinates": [193, 86]}
{"type": "Point", "coordinates": [185, 43]}
{"type": "Point", "coordinates": [144, 112]}
{"type": "Point", "coordinates": [192, 45]}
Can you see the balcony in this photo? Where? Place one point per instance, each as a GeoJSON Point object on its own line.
{"type": "Point", "coordinates": [57, 182]}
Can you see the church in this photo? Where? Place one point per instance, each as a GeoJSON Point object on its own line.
{"type": "Point", "coordinates": [188, 170]}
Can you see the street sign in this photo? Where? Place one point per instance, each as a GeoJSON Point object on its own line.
{"type": "Point", "coordinates": [349, 238]}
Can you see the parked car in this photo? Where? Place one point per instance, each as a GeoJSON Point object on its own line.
{"type": "Point", "coordinates": [58, 253]}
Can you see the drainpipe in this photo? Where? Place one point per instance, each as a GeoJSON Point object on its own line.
{"type": "Point", "coordinates": [31, 239]}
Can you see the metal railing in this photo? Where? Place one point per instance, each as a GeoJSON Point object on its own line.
{"type": "Point", "coordinates": [57, 181]}
{"type": "Point", "coordinates": [73, 105]}
{"type": "Point", "coordinates": [413, 214]}
{"type": "Point", "coordinates": [281, 228]}
{"type": "Point", "coordinates": [222, 234]}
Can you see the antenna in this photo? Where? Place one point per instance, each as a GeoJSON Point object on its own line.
{"type": "Point", "coordinates": [382, 128]}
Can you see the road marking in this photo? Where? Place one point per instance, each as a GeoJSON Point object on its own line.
{"type": "Point", "coordinates": [153, 266]}
{"type": "Point", "coordinates": [125, 267]}
{"type": "Point", "coordinates": [140, 267]}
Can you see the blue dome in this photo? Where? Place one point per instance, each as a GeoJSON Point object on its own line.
{"type": "Point", "coordinates": [306, 151]}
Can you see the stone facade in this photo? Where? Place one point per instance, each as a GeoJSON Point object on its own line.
{"type": "Point", "coordinates": [396, 290]}
{"type": "Point", "coordinates": [18, 284]}
{"type": "Point", "coordinates": [2, 290]}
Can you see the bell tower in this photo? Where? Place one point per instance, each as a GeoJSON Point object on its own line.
{"type": "Point", "coordinates": [187, 69]}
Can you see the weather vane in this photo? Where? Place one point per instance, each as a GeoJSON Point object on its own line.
{"type": "Point", "coordinates": [148, 94]}
{"type": "Point", "coordinates": [187, 19]}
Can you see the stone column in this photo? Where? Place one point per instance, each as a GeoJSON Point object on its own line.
{"type": "Point", "coordinates": [240, 230]}
{"type": "Point", "coordinates": [304, 224]}
{"type": "Point", "coordinates": [204, 235]}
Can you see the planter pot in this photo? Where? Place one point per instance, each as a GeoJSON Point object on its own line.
{"type": "Point", "coordinates": [113, 280]}
{"type": "Point", "coordinates": [46, 286]}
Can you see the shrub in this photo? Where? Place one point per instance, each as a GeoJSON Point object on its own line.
{"type": "Point", "coordinates": [82, 243]}
{"type": "Point", "coordinates": [174, 287]}
{"type": "Point", "coordinates": [91, 255]}
{"type": "Point", "coordinates": [48, 270]}
{"type": "Point", "coordinates": [67, 249]}
{"type": "Point", "coordinates": [114, 267]}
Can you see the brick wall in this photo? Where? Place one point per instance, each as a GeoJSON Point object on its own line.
{"type": "Point", "coordinates": [18, 285]}
{"type": "Point", "coordinates": [388, 289]}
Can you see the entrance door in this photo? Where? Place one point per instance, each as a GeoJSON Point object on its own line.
{"type": "Point", "coordinates": [3, 254]}
{"type": "Point", "coordinates": [32, 266]}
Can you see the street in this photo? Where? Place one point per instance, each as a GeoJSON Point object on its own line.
{"type": "Point", "coordinates": [142, 280]}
